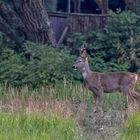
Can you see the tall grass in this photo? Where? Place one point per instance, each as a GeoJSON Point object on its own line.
{"type": "Point", "coordinates": [36, 127]}
{"type": "Point", "coordinates": [131, 128]}
{"type": "Point", "coordinates": [20, 97]}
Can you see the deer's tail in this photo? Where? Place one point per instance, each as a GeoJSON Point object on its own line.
{"type": "Point", "coordinates": [134, 94]}
{"type": "Point", "coordinates": [135, 100]}
{"type": "Point", "coordinates": [133, 103]}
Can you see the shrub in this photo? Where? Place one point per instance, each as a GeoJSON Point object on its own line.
{"type": "Point", "coordinates": [48, 65]}
{"type": "Point", "coordinates": [11, 63]}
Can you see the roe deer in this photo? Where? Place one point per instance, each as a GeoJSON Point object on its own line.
{"type": "Point", "coordinates": [99, 83]}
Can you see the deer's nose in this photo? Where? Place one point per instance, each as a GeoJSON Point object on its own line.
{"type": "Point", "coordinates": [73, 67]}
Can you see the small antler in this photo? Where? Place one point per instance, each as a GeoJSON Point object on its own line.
{"type": "Point", "coordinates": [83, 50]}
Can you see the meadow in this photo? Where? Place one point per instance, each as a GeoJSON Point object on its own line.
{"type": "Point", "coordinates": [63, 112]}
{"type": "Point", "coordinates": [36, 127]}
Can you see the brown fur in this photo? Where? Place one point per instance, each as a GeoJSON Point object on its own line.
{"type": "Point", "coordinates": [100, 83]}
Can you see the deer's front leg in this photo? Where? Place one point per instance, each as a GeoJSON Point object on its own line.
{"type": "Point", "coordinates": [100, 100]}
{"type": "Point", "coordinates": [95, 103]}
{"type": "Point", "coordinates": [95, 96]}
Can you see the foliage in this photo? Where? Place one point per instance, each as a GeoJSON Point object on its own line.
{"type": "Point", "coordinates": [131, 128]}
{"type": "Point", "coordinates": [48, 65]}
{"type": "Point", "coordinates": [11, 63]}
{"type": "Point", "coordinates": [117, 46]}
{"type": "Point", "coordinates": [36, 127]}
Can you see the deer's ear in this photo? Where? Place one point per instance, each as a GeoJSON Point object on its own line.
{"type": "Point", "coordinates": [83, 53]}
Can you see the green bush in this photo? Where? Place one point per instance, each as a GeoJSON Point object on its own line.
{"type": "Point", "coordinates": [11, 63]}
{"type": "Point", "coordinates": [48, 65]}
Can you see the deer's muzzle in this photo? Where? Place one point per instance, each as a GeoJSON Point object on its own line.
{"type": "Point", "coordinates": [74, 67]}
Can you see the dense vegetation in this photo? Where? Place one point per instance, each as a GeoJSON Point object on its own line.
{"type": "Point", "coordinates": [115, 48]}
{"type": "Point", "coordinates": [48, 65]}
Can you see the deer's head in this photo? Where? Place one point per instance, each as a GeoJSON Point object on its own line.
{"type": "Point", "coordinates": [81, 61]}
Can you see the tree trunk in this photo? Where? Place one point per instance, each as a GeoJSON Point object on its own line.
{"type": "Point", "coordinates": [130, 4]}
{"type": "Point", "coordinates": [77, 6]}
{"type": "Point", "coordinates": [69, 6]}
{"type": "Point", "coordinates": [27, 20]}
{"type": "Point", "coordinates": [138, 7]}
{"type": "Point", "coordinates": [103, 5]}
{"type": "Point", "coordinates": [54, 5]}
{"type": "Point", "coordinates": [99, 3]}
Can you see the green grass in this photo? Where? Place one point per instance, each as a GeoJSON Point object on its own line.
{"type": "Point", "coordinates": [36, 127]}
{"type": "Point", "coordinates": [131, 128]}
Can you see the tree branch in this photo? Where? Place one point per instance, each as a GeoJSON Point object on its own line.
{"type": "Point", "coordinates": [11, 24]}
{"type": "Point", "coordinates": [27, 20]}
{"type": "Point", "coordinates": [4, 27]}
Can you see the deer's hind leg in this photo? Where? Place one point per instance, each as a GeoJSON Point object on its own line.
{"type": "Point", "coordinates": [127, 90]}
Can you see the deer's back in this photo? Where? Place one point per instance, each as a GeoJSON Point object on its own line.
{"type": "Point", "coordinates": [113, 81]}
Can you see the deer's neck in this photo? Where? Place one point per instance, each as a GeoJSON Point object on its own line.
{"type": "Point", "coordinates": [86, 72]}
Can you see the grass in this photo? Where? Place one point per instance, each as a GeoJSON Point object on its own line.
{"type": "Point", "coordinates": [19, 106]}
{"type": "Point", "coordinates": [131, 128]}
{"type": "Point", "coordinates": [36, 127]}
{"type": "Point", "coordinates": [64, 92]}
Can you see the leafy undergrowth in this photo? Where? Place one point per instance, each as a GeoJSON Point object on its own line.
{"type": "Point", "coordinates": [36, 127]}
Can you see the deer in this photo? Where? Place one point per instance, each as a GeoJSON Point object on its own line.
{"type": "Point", "coordinates": [107, 82]}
